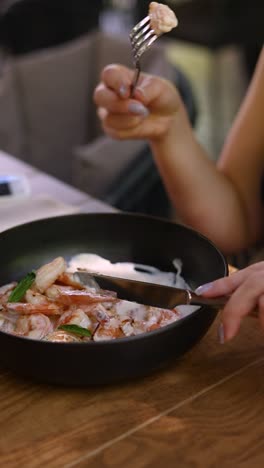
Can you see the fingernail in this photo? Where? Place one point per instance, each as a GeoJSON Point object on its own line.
{"type": "Point", "coordinates": [202, 289]}
{"type": "Point", "coordinates": [221, 334]}
{"type": "Point", "coordinates": [101, 112]}
{"type": "Point", "coordinates": [138, 109]}
{"type": "Point", "coordinates": [123, 90]}
{"type": "Point", "coordinates": [141, 91]}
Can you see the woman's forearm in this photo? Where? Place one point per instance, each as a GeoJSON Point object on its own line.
{"type": "Point", "coordinates": [221, 200]}
{"type": "Point", "coordinates": [203, 197]}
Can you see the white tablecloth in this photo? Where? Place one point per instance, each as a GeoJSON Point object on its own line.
{"type": "Point", "coordinates": [32, 208]}
{"type": "Point", "coordinates": [49, 196]}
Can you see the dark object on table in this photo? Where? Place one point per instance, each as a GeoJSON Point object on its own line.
{"type": "Point", "coordinates": [117, 237]}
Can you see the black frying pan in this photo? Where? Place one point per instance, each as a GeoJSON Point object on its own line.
{"type": "Point", "coordinates": [117, 237]}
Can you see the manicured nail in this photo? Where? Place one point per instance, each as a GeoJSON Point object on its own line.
{"type": "Point", "coordinates": [123, 90]}
{"type": "Point", "coordinates": [221, 334]}
{"type": "Point", "coordinates": [138, 109]}
{"type": "Point", "coordinates": [202, 289]}
{"type": "Point", "coordinates": [141, 91]}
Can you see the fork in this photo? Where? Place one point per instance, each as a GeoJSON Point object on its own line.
{"type": "Point", "coordinates": [141, 37]}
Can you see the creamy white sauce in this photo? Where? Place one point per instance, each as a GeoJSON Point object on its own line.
{"type": "Point", "coordinates": [147, 273]}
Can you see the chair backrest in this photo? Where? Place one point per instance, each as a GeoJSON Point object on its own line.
{"type": "Point", "coordinates": [51, 96]}
{"type": "Point", "coordinates": [28, 25]}
{"type": "Point", "coordinates": [12, 134]}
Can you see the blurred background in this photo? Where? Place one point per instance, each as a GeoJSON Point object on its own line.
{"type": "Point", "coordinates": [51, 56]}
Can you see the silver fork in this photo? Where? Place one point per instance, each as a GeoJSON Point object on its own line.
{"type": "Point", "coordinates": [142, 37]}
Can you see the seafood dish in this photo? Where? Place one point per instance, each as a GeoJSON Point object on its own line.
{"type": "Point", "coordinates": [162, 18]}
{"type": "Point", "coordinates": [52, 304]}
{"type": "Point", "coordinates": [130, 245]}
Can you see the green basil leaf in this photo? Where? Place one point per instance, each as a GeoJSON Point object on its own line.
{"type": "Point", "coordinates": [75, 329]}
{"type": "Point", "coordinates": [22, 287]}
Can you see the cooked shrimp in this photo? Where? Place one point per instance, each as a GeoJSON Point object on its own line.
{"type": "Point", "coordinates": [61, 336]}
{"type": "Point", "coordinates": [47, 274]}
{"type": "Point", "coordinates": [142, 318]}
{"type": "Point", "coordinates": [57, 297]}
{"type": "Point", "coordinates": [70, 279]}
{"type": "Point", "coordinates": [35, 298]}
{"type": "Point", "coordinates": [35, 326]}
{"type": "Point", "coordinates": [7, 287]}
{"type": "Point", "coordinates": [108, 330]}
{"type": "Point", "coordinates": [97, 312]}
{"type": "Point", "coordinates": [7, 322]}
{"type": "Point", "coordinates": [128, 328]}
{"type": "Point", "coordinates": [127, 310]}
{"type": "Point", "coordinates": [30, 309]}
{"type": "Point", "coordinates": [162, 18]}
{"type": "Point", "coordinates": [5, 291]}
{"type": "Point", "coordinates": [75, 317]}
{"type": "Point", "coordinates": [157, 318]}
{"type": "Point", "coordinates": [69, 296]}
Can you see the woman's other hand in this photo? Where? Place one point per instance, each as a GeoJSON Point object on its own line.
{"type": "Point", "coordinates": [246, 291]}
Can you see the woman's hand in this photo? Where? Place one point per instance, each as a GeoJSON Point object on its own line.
{"type": "Point", "coordinates": [148, 115]}
{"type": "Point", "coordinates": [246, 290]}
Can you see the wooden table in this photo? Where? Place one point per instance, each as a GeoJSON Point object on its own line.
{"type": "Point", "coordinates": [205, 410]}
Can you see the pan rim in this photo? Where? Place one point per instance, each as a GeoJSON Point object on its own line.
{"type": "Point", "coordinates": [123, 214]}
